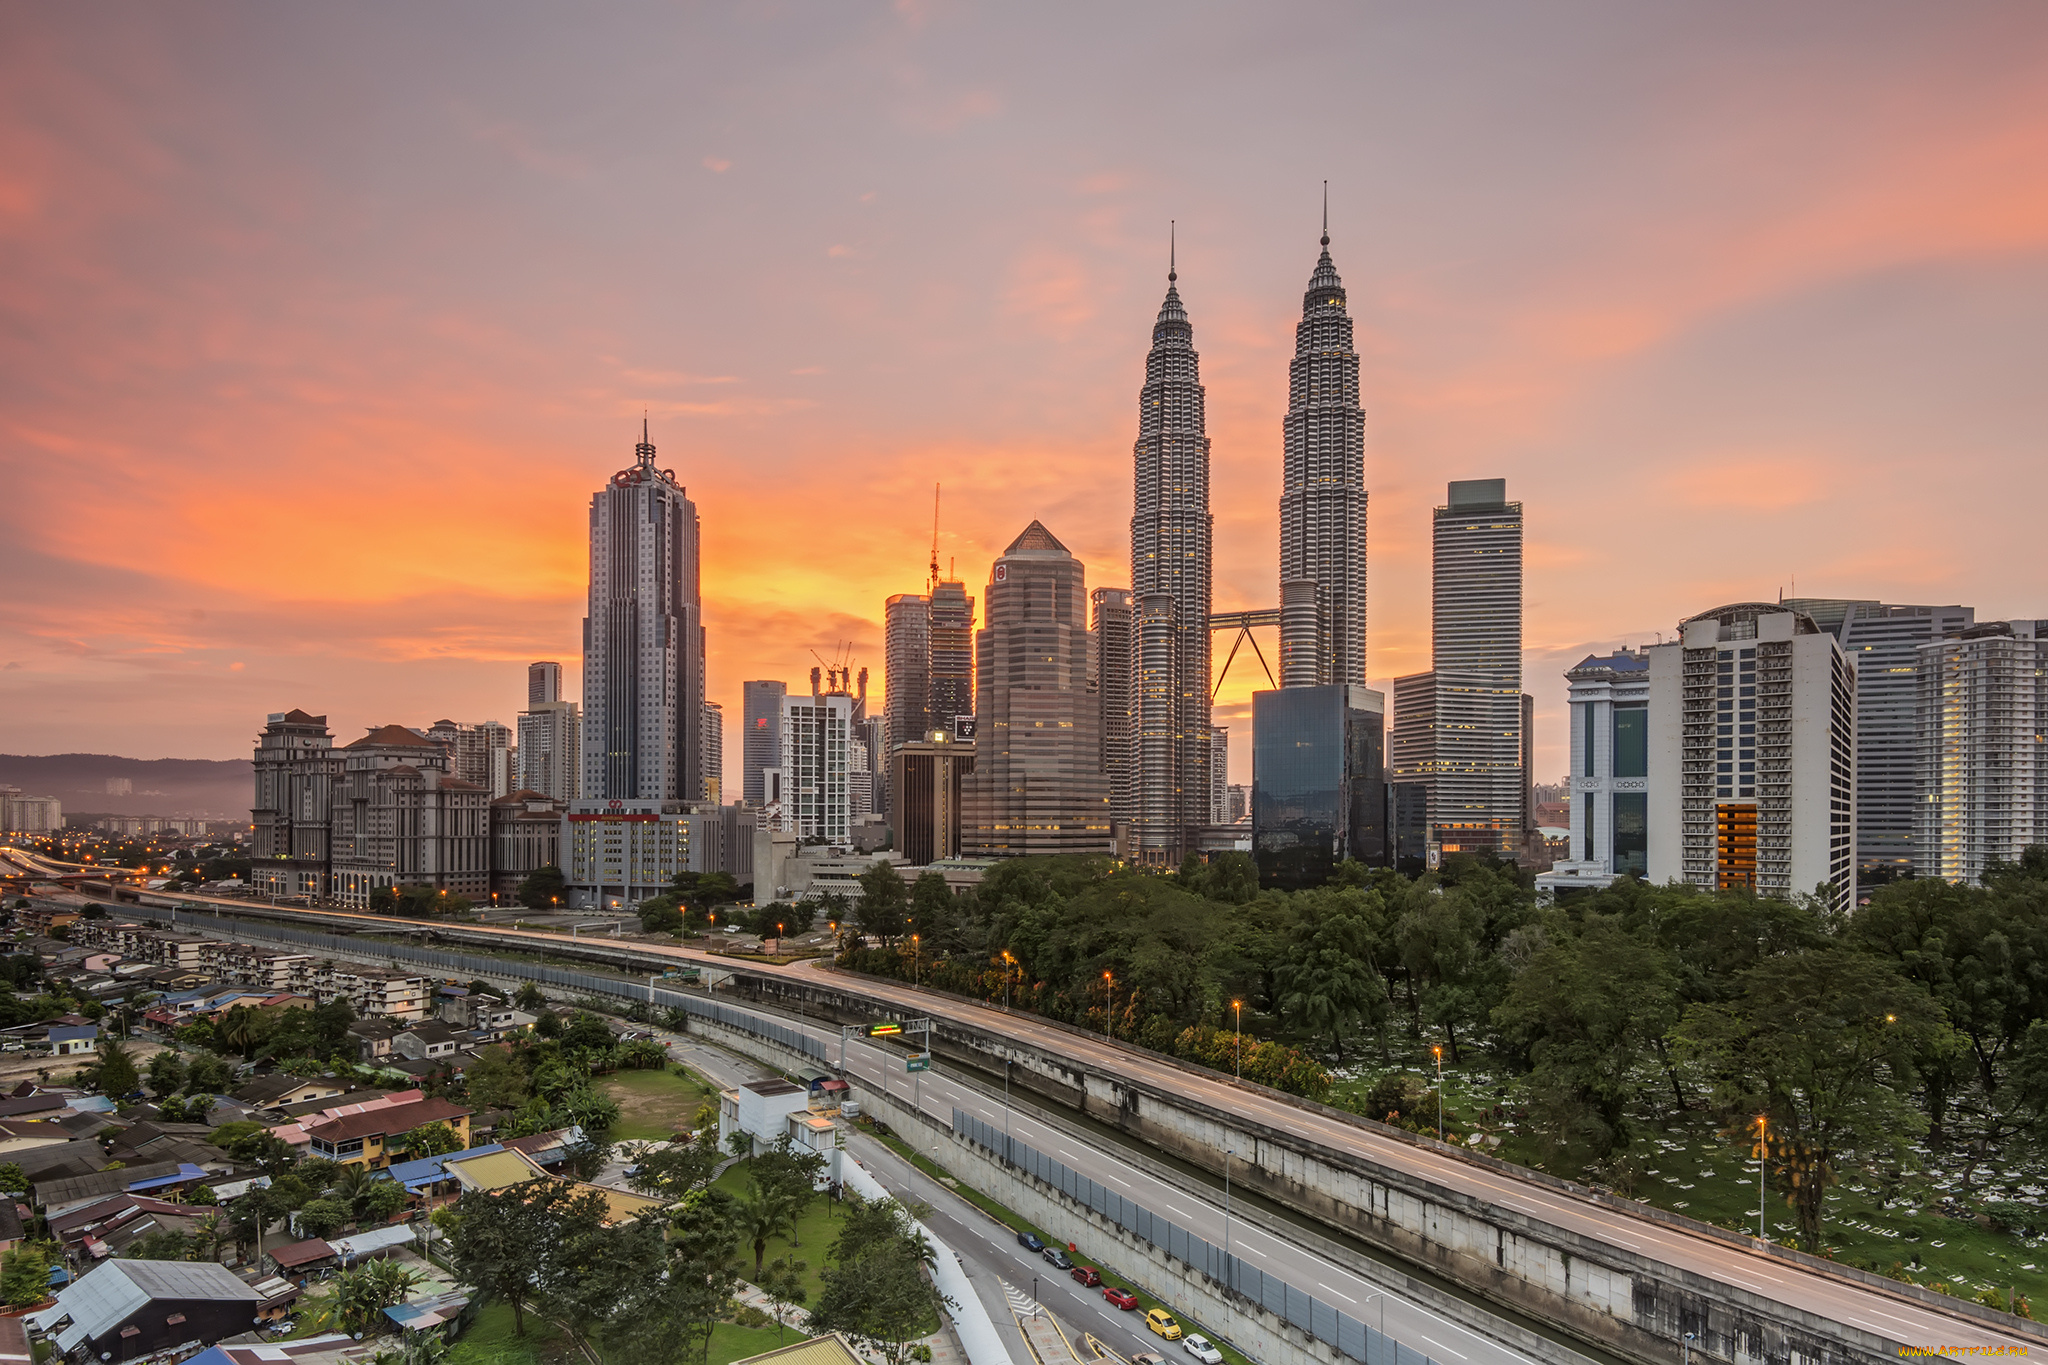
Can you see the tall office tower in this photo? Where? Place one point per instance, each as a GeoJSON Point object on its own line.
{"type": "Point", "coordinates": [643, 640]}
{"type": "Point", "coordinates": [1037, 785]}
{"type": "Point", "coordinates": [815, 734]}
{"type": "Point", "coordinates": [1172, 534]}
{"type": "Point", "coordinates": [1411, 769]}
{"type": "Point", "coordinates": [1301, 633]}
{"type": "Point", "coordinates": [1322, 499]}
{"type": "Point", "coordinates": [1883, 641]}
{"type": "Point", "coordinates": [1752, 755]}
{"type": "Point", "coordinates": [713, 732]}
{"type": "Point", "coordinates": [1610, 758]}
{"type": "Point", "coordinates": [950, 689]}
{"type": "Point", "coordinates": [873, 732]}
{"type": "Point", "coordinates": [1983, 764]}
{"type": "Point", "coordinates": [761, 745]}
{"type": "Point", "coordinates": [1477, 802]}
{"type": "Point", "coordinates": [907, 666]}
{"type": "Point", "coordinates": [543, 683]}
{"type": "Point", "coordinates": [1219, 774]}
{"type": "Point", "coordinates": [929, 777]}
{"type": "Point", "coordinates": [1111, 637]}
{"type": "Point", "coordinates": [1319, 781]}
{"type": "Point", "coordinates": [291, 822]}
{"type": "Point", "coordinates": [551, 749]}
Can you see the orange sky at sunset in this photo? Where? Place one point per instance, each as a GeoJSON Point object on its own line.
{"type": "Point", "coordinates": [320, 325]}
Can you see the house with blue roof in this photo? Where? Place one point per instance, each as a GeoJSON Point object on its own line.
{"type": "Point", "coordinates": [74, 1040]}
{"type": "Point", "coordinates": [429, 1178]}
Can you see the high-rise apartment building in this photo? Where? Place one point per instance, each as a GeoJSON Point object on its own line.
{"type": "Point", "coordinates": [1882, 641]}
{"type": "Point", "coordinates": [907, 666]}
{"type": "Point", "coordinates": [817, 731]}
{"type": "Point", "coordinates": [1172, 538]}
{"type": "Point", "coordinates": [1478, 801]}
{"type": "Point", "coordinates": [950, 677]}
{"type": "Point", "coordinates": [1983, 763]}
{"type": "Point", "coordinates": [1411, 769]}
{"type": "Point", "coordinates": [643, 640]}
{"type": "Point", "coordinates": [21, 813]}
{"type": "Point", "coordinates": [1037, 785]}
{"type": "Point", "coordinates": [291, 837]}
{"type": "Point", "coordinates": [551, 749]}
{"type": "Point", "coordinates": [713, 733]}
{"type": "Point", "coordinates": [1752, 715]}
{"type": "Point", "coordinates": [1323, 499]}
{"type": "Point", "coordinates": [401, 817]}
{"type": "Point", "coordinates": [1111, 639]}
{"type": "Point", "coordinates": [761, 745]}
{"type": "Point", "coordinates": [543, 683]}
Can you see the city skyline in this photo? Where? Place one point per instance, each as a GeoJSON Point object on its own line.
{"type": "Point", "coordinates": [341, 324]}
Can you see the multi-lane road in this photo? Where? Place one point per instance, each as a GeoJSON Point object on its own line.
{"type": "Point", "coordinates": [1832, 1297]}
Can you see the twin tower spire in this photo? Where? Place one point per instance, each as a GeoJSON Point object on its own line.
{"type": "Point", "coordinates": [1175, 765]}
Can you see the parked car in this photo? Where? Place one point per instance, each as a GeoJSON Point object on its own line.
{"type": "Point", "coordinates": [1029, 1241]}
{"type": "Point", "coordinates": [1147, 1358]}
{"type": "Point", "coordinates": [1163, 1323]}
{"type": "Point", "coordinates": [1198, 1346]}
{"type": "Point", "coordinates": [1088, 1275]}
{"type": "Point", "coordinates": [1120, 1298]}
{"type": "Point", "coordinates": [1058, 1258]}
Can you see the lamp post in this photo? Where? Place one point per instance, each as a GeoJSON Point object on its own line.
{"type": "Point", "coordinates": [1685, 1356]}
{"type": "Point", "coordinates": [1762, 1152]}
{"type": "Point", "coordinates": [778, 936]}
{"type": "Point", "coordinates": [1108, 1004]}
{"type": "Point", "coordinates": [1381, 1295]}
{"type": "Point", "coordinates": [1439, 1092]}
{"type": "Point", "coordinates": [1008, 963]}
{"type": "Point", "coordinates": [1238, 1005]}
{"type": "Point", "coordinates": [916, 961]}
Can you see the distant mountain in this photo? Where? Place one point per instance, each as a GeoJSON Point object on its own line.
{"type": "Point", "coordinates": [219, 788]}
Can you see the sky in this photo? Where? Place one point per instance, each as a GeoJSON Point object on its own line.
{"type": "Point", "coordinates": [319, 325]}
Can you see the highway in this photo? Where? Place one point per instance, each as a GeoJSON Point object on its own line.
{"type": "Point", "coordinates": [1894, 1318]}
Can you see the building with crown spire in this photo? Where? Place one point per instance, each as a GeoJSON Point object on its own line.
{"type": "Point", "coordinates": [1322, 498]}
{"type": "Point", "coordinates": [643, 640]}
{"type": "Point", "coordinates": [1172, 538]}
{"type": "Point", "coordinates": [1037, 786]}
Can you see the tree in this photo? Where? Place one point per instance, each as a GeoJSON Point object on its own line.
{"type": "Point", "coordinates": [675, 1172]}
{"type": "Point", "coordinates": [495, 1080]}
{"type": "Point", "coordinates": [543, 889]}
{"type": "Point", "coordinates": [323, 1217]}
{"type": "Point", "coordinates": [362, 1293]}
{"type": "Point", "coordinates": [382, 1203]}
{"type": "Point", "coordinates": [13, 1180]}
{"type": "Point", "coordinates": [161, 1245]}
{"type": "Point", "coordinates": [883, 901]}
{"type": "Point", "coordinates": [1821, 1042]}
{"type": "Point", "coordinates": [117, 1073]}
{"type": "Point", "coordinates": [878, 1293]}
{"type": "Point", "coordinates": [166, 1073]}
{"type": "Point", "coordinates": [783, 1283]}
{"type": "Point", "coordinates": [24, 1276]}
{"type": "Point", "coordinates": [500, 1241]}
{"type": "Point", "coordinates": [674, 1326]}
{"type": "Point", "coordinates": [588, 1032]}
{"type": "Point", "coordinates": [429, 1139]}
{"type": "Point", "coordinates": [1328, 984]}
{"type": "Point", "coordinates": [207, 1074]}
{"type": "Point", "coordinates": [660, 916]}
{"type": "Point", "coordinates": [759, 1215]}
{"type": "Point", "coordinates": [530, 997]}
{"type": "Point", "coordinates": [789, 1177]}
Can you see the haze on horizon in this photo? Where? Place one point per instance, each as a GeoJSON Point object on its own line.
{"type": "Point", "coordinates": [319, 326]}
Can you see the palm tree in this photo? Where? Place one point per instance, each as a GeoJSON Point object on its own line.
{"type": "Point", "coordinates": [759, 1216]}
{"type": "Point", "coordinates": [353, 1186]}
{"type": "Point", "coordinates": [207, 1235]}
{"type": "Point", "coordinates": [362, 1293]}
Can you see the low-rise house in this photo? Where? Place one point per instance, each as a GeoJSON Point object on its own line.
{"type": "Point", "coordinates": [760, 1109]}
{"type": "Point", "coordinates": [376, 1242]}
{"type": "Point", "coordinates": [108, 1227]}
{"type": "Point", "coordinates": [428, 1177]}
{"type": "Point", "coordinates": [18, 1135]}
{"type": "Point", "coordinates": [364, 1138]}
{"type": "Point", "coordinates": [426, 1041]}
{"type": "Point", "coordinates": [373, 1038]}
{"type": "Point", "coordinates": [10, 1225]}
{"type": "Point", "coordinates": [59, 1196]}
{"type": "Point", "coordinates": [125, 1309]}
{"type": "Point", "coordinates": [302, 1258]}
{"type": "Point", "coordinates": [486, 1016]}
{"type": "Point", "coordinates": [325, 1349]}
{"type": "Point", "coordinates": [273, 1092]}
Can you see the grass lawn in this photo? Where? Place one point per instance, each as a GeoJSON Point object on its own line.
{"type": "Point", "coordinates": [490, 1341]}
{"type": "Point", "coordinates": [654, 1105]}
{"type": "Point", "coordinates": [730, 1341]}
{"type": "Point", "coordinates": [815, 1231]}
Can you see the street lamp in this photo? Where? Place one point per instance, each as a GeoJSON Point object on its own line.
{"type": "Point", "coordinates": [1762, 1151]}
{"type": "Point", "coordinates": [1008, 963]}
{"type": "Point", "coordinates": [1439, 1092]}
{"type": "Point", "coordinates": [1238, 1005]}
{"type": "Point", "coordinates": [1108, 1004]}
{"type": "Point", "coordinates": [916, 961]}
{"type": "Point", "coordinates": [1381, 1295]}
{"type": "Point", "coordinates": [778, 936]}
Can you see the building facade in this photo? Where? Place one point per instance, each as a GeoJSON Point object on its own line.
{"type": "Point", "coordinates": [526, 835]}
{"type": "Point", "coordinates": [1982, 767]}
{"type": "Point", "coordinates": [1752, 715]}
{"type": "Point", "coordinates": [1037, 785]}
{"type": "Point", "coordinates": [713, 740]}
{"type": "Point", "coordinates": [643, 640]}
{"type": "Point", "coordinates": [1172, 544]}
{"type": "Point", "coordinates": [1477, 801]}
{"type": "Point", "coordinates": [1319, 782]}
{"type": "Point", "coordinates": [621, 852]}
{"type": "Point", "coordinates": [907, 666]}
{"type": "Point", "coordinates": [551, 749]}
{"type": "Point", "coordinates": [543, 683]}
{"type": "Point", "coordinates": [401, 818]}
{"type": "Point", "coordinates": [761, 745]}
{"type": "Point", "coordinates": [21, 813]}
{"type": "Point", "coordinates": [817, 732]}
{"type": "Point", "coordinates": [1112, 642]}
{"type": "Point", "coordinates": [292, 816]}
{"type": "Point", "coordinates": [1411, 770]}
{"type": "Point", "coordinates": [1610, 769]}
{"type": "Point", "coordinates": [1882, 641]}
{"type": "Point", "coordinates": [929, 778]}
{"type": "Point", "coordinates": [1323, 498]}
{"type": "Point", "coordinates": [950, 677]}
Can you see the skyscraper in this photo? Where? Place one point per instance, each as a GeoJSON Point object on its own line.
{"type": "Point", "coordinates": [1983, 765]}
{"type": "Point", "coordinates": [1477, 803]}
{"type": "Point", "coordinates": [761, 745]}
{"type": "Point", "coordinates": [1319, 781]}
{"type": "Point", "coordinates": [816, 733]}
{"type": "Point", "coordinates": [713, 733]}
{"type": "Point", "coordinates": [1037, 785]}
{"type": "Point", "coordinates": [1111, 637]}
{"type": "Point", "coordinates": [950, 685]}
{"type": "Point", "coordinates": [907, 666]}
{"type": "Point", "coordinates": [1172, 536]}
{"type": "Point", "coordinates": [1411, 769]}
{"type": "Point", "coordinates": [643, 640]}
{"type": "Point", "coordinates": [543, 683]}
{"type": "Point", "coordinates": [551, 749]}
{"type": "Point", "coordinates": [1323, 499]}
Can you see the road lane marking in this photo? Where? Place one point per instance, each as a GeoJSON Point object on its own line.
{"type": "Point", "coordinates": [1441, 1347]}
{"type": "Point", "coordinates": [1344, 1296]}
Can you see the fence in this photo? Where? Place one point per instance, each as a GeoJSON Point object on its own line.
{"type": "Point", "coordinates": [474, 965]}
{"type": "Point", "coordinates": [1293, 1306]}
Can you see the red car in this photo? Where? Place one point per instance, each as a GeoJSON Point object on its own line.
{"type": "Point", "coordinates": [1122, 1298]}
{"type": "Point", "coordinates": [1088, 1275]}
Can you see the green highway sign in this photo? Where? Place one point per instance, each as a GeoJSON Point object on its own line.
{"type": "Point", "coordinates": [918, 1061]}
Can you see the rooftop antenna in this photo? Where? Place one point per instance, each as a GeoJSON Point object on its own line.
{"type": "Point", "coordinates": [1326, 213]}
{"type": "Point", "coordinates": [1172, 249]}
{"type": "Point", "coordinates": [933, 585]}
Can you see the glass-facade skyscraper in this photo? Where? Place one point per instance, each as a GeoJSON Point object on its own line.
{"type": "Point", "coordinates": [1319, 781]}
{"type": "Point", "coordinates": [1477, 799]}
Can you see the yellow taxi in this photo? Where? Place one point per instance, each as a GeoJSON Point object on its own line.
{"type": "Point", "coordinates": [1162, 1322]}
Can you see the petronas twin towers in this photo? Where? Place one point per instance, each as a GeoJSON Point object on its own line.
{"type": "Point", "coordinates": [1322, 554]}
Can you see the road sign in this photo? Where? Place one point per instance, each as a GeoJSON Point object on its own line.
{"type": "Point", "coordinates": [918, 1061]}
{"type": "Point", "coordinates": [888, 1030]}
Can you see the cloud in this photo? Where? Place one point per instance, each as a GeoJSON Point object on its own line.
{"type": "Point", "coordinates": [717, 165]}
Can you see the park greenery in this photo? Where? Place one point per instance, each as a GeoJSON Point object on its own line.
{"type": "Point", "coordinates": [1918, 1020]}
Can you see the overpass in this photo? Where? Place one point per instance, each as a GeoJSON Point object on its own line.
{"type": "Point", "coordinates": [1608, 1271]}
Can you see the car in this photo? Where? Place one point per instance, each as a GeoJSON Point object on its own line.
{"type": "Point", "coordinates": [1198, 1346]}
{"type": "Point", "coordinates": [1029, 1241]}
{"type": "Point", "coordinates": [1087, 1275]}
{"type": "Point", "coordinates": [1147, 1358]}
{"type": "Point", "coordinates": [1120, 1298]}
{"type": "Point", "coordinates": [1057, 1258]}
{"type": "Point", "coordinates": [1163, 1324]}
